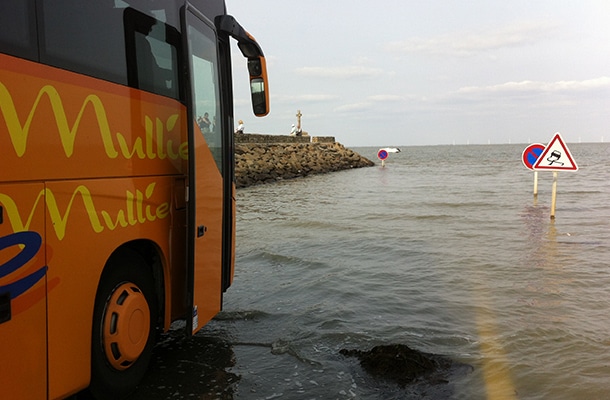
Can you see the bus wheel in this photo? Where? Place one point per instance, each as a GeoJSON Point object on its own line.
{"type": "Point", "coordinates": [124, 321]}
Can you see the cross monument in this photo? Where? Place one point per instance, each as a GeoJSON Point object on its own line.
{"type": "Point", "coordinates": [299, 115]}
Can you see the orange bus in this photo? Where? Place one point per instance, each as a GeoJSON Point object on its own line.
{"type": "Point", "coordinates": [117, 195]}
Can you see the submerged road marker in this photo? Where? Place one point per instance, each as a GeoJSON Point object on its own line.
{"type": "Point", "coordinates": [555, 157]}
{"type": "Point", "coordinates": [382, 154]}
{"type": "Point", "coordinates": [529, 157]}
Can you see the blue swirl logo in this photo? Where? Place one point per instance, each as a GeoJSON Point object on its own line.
{"type": "Point", "coordinates": [31, 242]}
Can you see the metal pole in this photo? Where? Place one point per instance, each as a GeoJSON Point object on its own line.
{"type": "Point", "coordinates": [554, 195]}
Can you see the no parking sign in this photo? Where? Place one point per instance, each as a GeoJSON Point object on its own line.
{"type": "Point", "coordinates": [531, 154]}
{"type": "Point", "coordinates": [382, 154]}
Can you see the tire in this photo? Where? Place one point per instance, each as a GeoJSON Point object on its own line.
{"type": "Point", "coordinates": [124, 322]}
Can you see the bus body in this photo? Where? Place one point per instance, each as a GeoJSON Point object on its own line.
{"type": "Point", "coordinates": [117, 195]}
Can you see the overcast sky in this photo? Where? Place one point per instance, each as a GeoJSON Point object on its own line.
{"type": "Point", "coordinates": [406, 72]}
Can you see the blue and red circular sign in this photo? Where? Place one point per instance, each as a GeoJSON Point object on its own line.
{"type": "Point", "coordinates": [531, 154]}
{"type": "Point", "coordinates": [382, 154]}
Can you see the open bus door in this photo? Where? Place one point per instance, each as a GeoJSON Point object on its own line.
{"type": "Point", "coordinates": [210, 196]}
{"type": "Point", "coordinates": [207, 152]}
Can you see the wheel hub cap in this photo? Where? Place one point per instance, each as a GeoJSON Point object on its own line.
{"type": "Point", "coordinates": [126, 326]}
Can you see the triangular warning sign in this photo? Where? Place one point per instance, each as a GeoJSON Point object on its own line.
{"type": "Point", "coordinates": [556, 157]}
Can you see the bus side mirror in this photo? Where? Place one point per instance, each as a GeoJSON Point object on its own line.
{"type": "Point", "coordinates": [257, 67]}
{"type": "Point", "coordinates": [258, 86]}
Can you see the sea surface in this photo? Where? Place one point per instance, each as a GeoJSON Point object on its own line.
{"type": "Point", "coordinates": [445, 250]}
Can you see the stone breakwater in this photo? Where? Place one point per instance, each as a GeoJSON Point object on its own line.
{"type": "Point", "coordinates": [257, 163]}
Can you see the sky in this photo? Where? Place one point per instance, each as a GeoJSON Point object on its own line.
{"type": "Point", "coordinates": [429, 72]}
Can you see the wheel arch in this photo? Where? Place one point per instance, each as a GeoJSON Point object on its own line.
{"type": "Point", "coordinates": [155, 260]}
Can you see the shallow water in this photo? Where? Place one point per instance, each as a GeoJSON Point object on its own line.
{"type": "Point", "coordinates": [444, 250]}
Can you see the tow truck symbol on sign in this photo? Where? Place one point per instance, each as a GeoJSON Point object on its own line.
{"type": "Point", "coordinates": [556, 157]}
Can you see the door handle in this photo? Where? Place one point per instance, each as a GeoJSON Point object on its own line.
{"type": "Point", "coordinates": [201, 229]}
{"type": "Point", "coordinates": [5, 307]}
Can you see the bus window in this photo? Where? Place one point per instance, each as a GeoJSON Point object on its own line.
{"type": "Point", "coordinates": [152, 54]}
{"type": "Point", "coordinates": [18, 33]}
{"type": "Point", "coordinates": [206, 88]}
{"type": "Point", "coordinates": [92, 43]}
{"type": "Point", "coordinates": [112, 41]}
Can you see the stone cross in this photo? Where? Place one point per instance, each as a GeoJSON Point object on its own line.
{"type": "Point", "coordinates": [299, 115]}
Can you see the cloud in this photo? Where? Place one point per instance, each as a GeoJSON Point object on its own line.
{"type": "Point", "coordinates": [306, 98]}
{"type": "Point", "coordinates": [384, 98]}
{"type": "Point", "coordinates": [522, 97]}
{"type": "Point", "coordinates": [345, 72]}
{"type": "Point", "coordinates": [381, 103]}
{"type": "Point", "coordinates": [353, 108]}
{"type": "Point", "coordinates": [470, 43]}
{"type": "Point", "coordinates": [538, 88]}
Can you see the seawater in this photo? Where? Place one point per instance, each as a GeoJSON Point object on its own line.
{"type": "Point", "coordinates": [445, 250]}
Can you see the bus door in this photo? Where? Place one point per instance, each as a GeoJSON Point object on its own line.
{"type": "Point", "coordinates": [23, 287]}
{"type": "Point", "coordinates": [207, 152]}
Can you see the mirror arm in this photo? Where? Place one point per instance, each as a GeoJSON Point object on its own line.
{"type": "Point", "coordinates": [248, 46]}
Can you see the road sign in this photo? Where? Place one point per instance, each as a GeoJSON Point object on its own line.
{"type": "Point", "coordinates": [531, 154]}
{"type": "Point", "coordinates": [556, 157]}
{"type": "Point", "coordinates": [382, 154]}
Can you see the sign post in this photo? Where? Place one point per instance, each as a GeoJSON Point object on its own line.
{"type": "Point", "coordinates": [554, 195]}
{"type": "Point", "coordinates": [529, 157]}
{"type": "Point", "coordinates": [555, 157]}
{"type": "Point", "coordinates": [382, 154]}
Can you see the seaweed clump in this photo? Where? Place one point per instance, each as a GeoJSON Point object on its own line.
{"type": "Point", "coordinates": [401, 364]}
